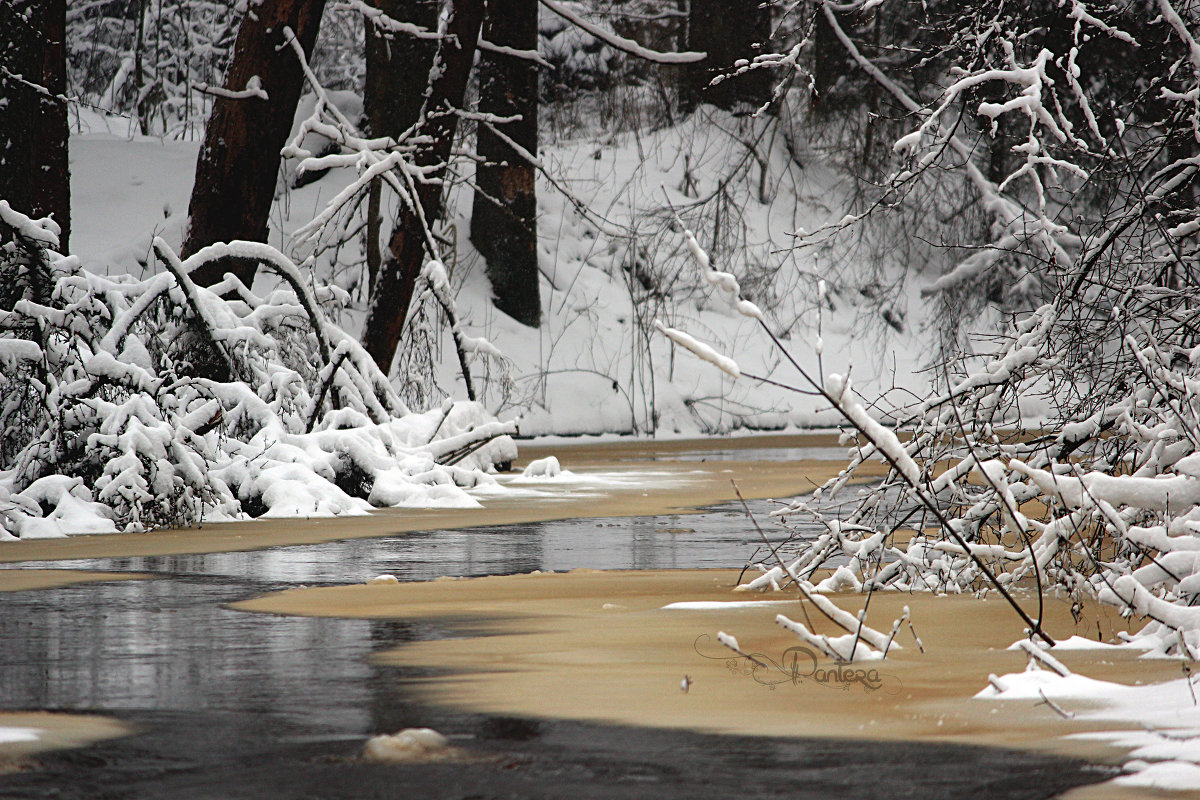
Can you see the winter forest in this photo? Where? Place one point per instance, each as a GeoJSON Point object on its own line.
{"type": "Point", "coordinates": [297, 258]}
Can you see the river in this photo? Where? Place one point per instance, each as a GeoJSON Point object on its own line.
{"type": "Point", "coordinates": [221, 703]}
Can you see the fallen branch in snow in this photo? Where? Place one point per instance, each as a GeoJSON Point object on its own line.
{"type": "Point", "coordinates": [1055, 707]}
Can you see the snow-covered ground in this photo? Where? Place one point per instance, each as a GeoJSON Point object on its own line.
{"type": "Point", "coordinates": [595, 365]}
{"type": "Point", "coordinates": [1163, 745]}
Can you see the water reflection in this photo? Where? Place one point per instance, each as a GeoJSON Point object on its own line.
{"type": "Point", "coordinates": [720, 537]}
{"type": "Point", "coordinates": [757, 454]}
{"type": "Point", "coordinates": [170, 645]}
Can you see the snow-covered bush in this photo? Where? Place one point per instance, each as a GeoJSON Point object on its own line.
{"type": "Point", "coordinates": [154, 61]}
{"type": "Point", "coordinates": [1067, 459]}
{"type": "Point", "coordinates": [130, 403]}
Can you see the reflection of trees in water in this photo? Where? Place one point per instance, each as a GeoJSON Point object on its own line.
{"type": "Point", "coordinates": [650, 546]}
{"type": "Point", "coordinates": [391, 705]}
{"type": "Point", "coordinates": [490, 550]}
{"type": "Point", "coordinates": [720, 537]}
{"type": "Point", "coordinates": [169, 645]}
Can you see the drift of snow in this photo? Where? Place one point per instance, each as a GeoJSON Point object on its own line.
{"type": "Point", "coordinates": [547, 467]}
{"type": "Point", "coordinates": [19, 734]}
{"type": "Point", "coordinates": [1165, 747]}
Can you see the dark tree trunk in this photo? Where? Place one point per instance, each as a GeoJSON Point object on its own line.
{"type": "Point", "coordinates": [34, 174]}
{"type": "Point", "coordinates": [406, 250]}
{"type": "Point", "coordinates": [239, 160]}
{"type": "Point", "coordinates": [727, 30]}
{"type": "Point", "coordinates": [831, 64]}
{"type": "Point", "coordinates": [504, 215]}
{"type": "Point", "coordinates": [394, 91]}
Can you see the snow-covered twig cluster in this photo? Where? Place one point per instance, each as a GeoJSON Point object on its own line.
{"type": "Point", "coordinates": [1068, 458]}
{"type": "Point", "coordinates": [130, 404]}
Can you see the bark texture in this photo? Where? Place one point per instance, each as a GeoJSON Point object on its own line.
{"type": "Point", "coordinates": [408, 244]}
{"type": "Point", "coordinates": [239, 160]}
{"type": "Point", "coordinates": [504, 215]}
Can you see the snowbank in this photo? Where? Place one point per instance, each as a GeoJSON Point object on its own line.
{"type": "Point", "coordinates": [1164, 750]}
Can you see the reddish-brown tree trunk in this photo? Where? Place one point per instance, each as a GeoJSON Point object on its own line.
{"type": "Point", "coordinates": [407, 248]}
{"type": "Point", "coordinates": [394, 91]}
{"type": "Point", "coordinates": [239, 160]}
{"type": "Point", "coordinates": [504, 215]}
{"type": "Point", "coordinates": [34, 174]}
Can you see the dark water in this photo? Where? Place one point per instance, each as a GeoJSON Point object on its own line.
{"type": "Point", "coordinates": [722, 536]}
{"type": "Point", "coordinates": [235, 705]}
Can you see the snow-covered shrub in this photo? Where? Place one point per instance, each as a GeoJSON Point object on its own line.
{"type": "Point", "coordinates": [580, 61]}
{"type": "Point", "coordinates": [1067, 458]}
{"type": "Point", "coordinates": [154, 61]}
{"type": "Point", "coordinates": [148, 402]}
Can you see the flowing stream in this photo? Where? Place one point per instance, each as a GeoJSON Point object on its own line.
{"type": "Point", "coordinates": [228, 704]}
